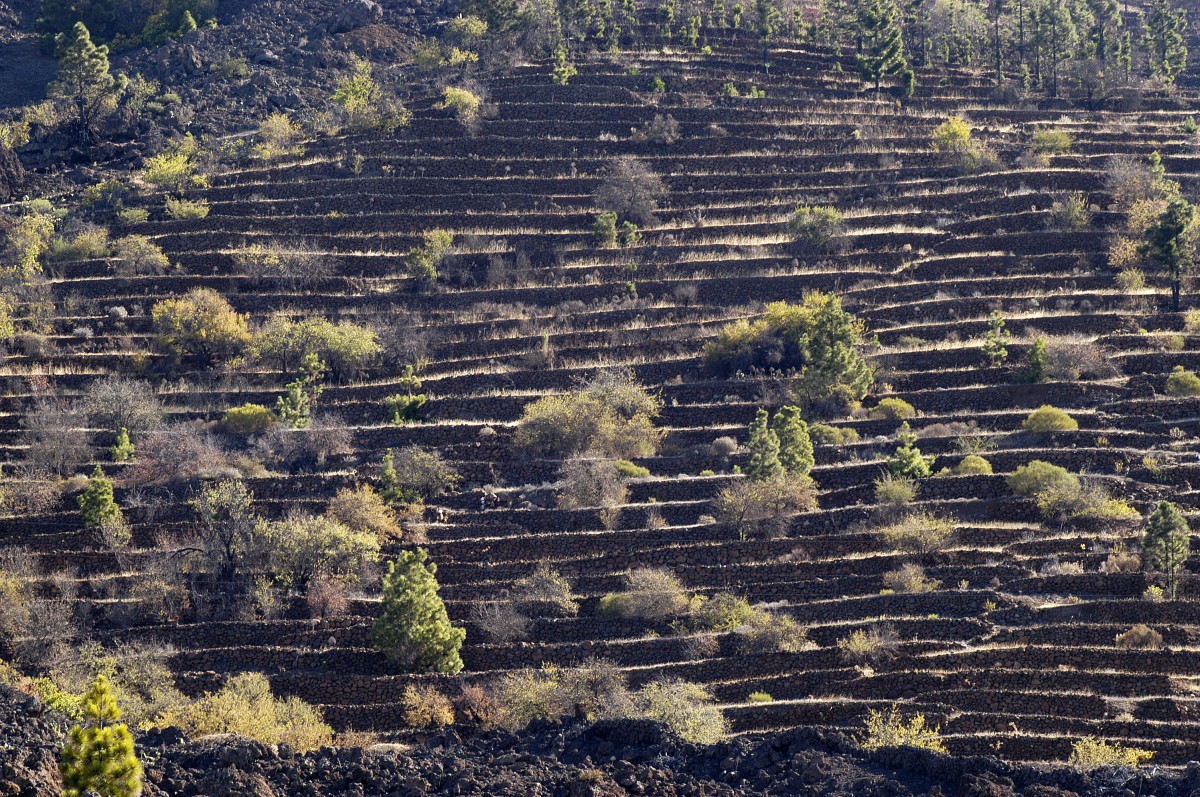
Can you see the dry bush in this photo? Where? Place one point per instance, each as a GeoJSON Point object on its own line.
{"type": "Point", "coordinates": [304, 449]}
{"type": "Point", "coordinates": [686, 708]}
{"type": "Point", "coordinates": [501, 621]}
{"type": "Point", "coordinates": [891, 730]}
{"type": "Point", "coordinates": [1055, 567]}
{"type": "Point", "coordinates": [631, 190]}
{"type": "Point", "coordinates": [426, 707]}
{"type": "Point", "coordinates": [660, 130]}
{"type": "Point", "coordinates": [1123, 562]}
{"type": "Point", "coordinates": [1141, 637]}
{"type": "Point", "coordinates": [1071, 357]}
{"type": "Point", "coordinates": [920, 533]}
{"type": "Point", "coordinates": [176, 453]}
{"type": "Point", "coordinates": [590, 482]}
{"type": "Point", "coordinates": [877, 643]}
{"type": "Point", "coordinates": [895, 492]}
{"type": "Point", "coordinates": [765, 506]}
{"type": "Point", "coordinates": [55, 436]}
{"type": "Point", "coordinates": [1128, 179]}
{"type": "Point", "coordinates": [480, 706]}
{"type": "Point", "coordinates": [546, 587]}
{"type": "Point", "coordinates": [910, 577]}
{"type": "Point", "coordinates": [611, 416]}
{"type": "Point", "coordinates": [137, 255]}
{"type": "Point", "coordinates": [651, 592]}
{"type": "Point", "coordinates": [596, 690]}
{"type": "Point", "coordinates": [326, 599]}
{"type": "Point", "coordinates": [293, 266]}
{"type": "Point", "coordinates": [723, 447]}
{"type": "Point", "coordinates": [774, 633]}
{"type": "Point", "coordinates": [117, 402]}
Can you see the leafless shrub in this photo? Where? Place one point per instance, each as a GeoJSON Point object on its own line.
{"type": "Point", "coordinates": [910, 577]}
{"type": "Point", "coordinates": [660, 130]}
{"type": "Point", "coordinates": [1123, 562]}
{"type": "Point", "coordinates": [294, 266]}
{"type": "Point", "coordinates": [631, 190]}
{"type": "Point", "coordinates": [1072, 357]}
{"type": "Point", "coordinates": [118, 402]}
{"type": "Point", "coordinates": [56, 438]}
{"type": "Point", "coordinates": [326, 599]}
{"type": "Point", "coordinates": [1128, 179]}
{"type": "Point", "coordinates": [590, 482]}
{"type": "Point", "coordinates": [176, 453]}
{"type": "Point", "coordinates": [501, 621]}
{"type": "Point", "coordinates": [650, 592]}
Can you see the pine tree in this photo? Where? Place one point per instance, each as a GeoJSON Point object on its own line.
{"type": "Point", "coordinates": [99, 755]}
{"type": "Point", "coordinates": [993, 342]}
{"type": "Point", "coordinates": [907, 460]}
{"type": "Point", "coordinates": [1169, 242]}
{"type": "Point", "coordinates": [123, 450]}
{"type": "Point", "coordinates": [414, 630]}
{"type": "Point", "coordinates": [1162, 39]}
{"type": "Point", "coordinates": [764, 450]}
{"type": "Point", "coordinates": [1107, 21]}
{"type": "Point", "coordinates": [1059, 36]}
{"type": "Point", "coordinates": [1038, 360]}
{"type": "Point", "coordinates": [795, 446]}
{"type": "Point", "coordinates": [882, 41]}
{"type": "Point", "coordinates": [96, 501]}
{"type": "Point", "coordinates": [84, 80]}
{"type": "Point", "coordinates": [1167, 543]}
{"type": "Point", "coordinates": [832, 359]}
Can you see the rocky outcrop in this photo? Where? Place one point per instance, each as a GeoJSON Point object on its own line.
{"type": "Point", "coordinates": [12, 175]}
{"type": "Point", "coordinates": [356, 14]}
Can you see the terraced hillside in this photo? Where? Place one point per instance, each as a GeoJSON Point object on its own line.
{"type": "Point", "coordinates": [1015, 653]}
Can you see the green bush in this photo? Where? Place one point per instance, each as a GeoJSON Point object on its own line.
{"type": "Point", "coordinates": [463, 103]}
{"type": "Point", "coordinates": [1048, 141]}
{"type": "Point", "coordinates": [1182, 383]}
{"type": "Point", "coordinates": [920, 533]}
{"type": "Point", "coordinates": [1091, 753]}
{"type": "Point", "coordinates": [651, 592]}
{"type": "Point", "coordinates": [424, 261]}
{"type": "Point", "coordinates": [611, 415]}
{"type": "Point", "coordinates": [973, 464]}
{"type": "Point", "coordinates": [817, 227]}
{"type": "Point", "coordinates": [187, 209]}
{"type": "Point", "coordinates": [892, 730]}
{"type": "Point", "coordinates": [87, 244]}
{"type": "Point", "coordinates": [605, 229]}
{"type": "Point", "coordinates": [907, 459]}
{"type": "Point", "coordinates": [96, 502]}
{"type": "Point", "coordinates": [405, 408]}
{"type": "Point", "coordinates": [1037, 476]}
{"type": "Point", "coordinates": [201, 326]}
{"type": "Point", "coordinates": [99, 755]}
{"type": "Point", "coordinates": [760, 697]}
{"type": "Point", "coordinates": [686, 708]}
{"type": "Point", "coordinates": [826, 435]}
{"type": "Point", "coordinates": [893, 409]}
{"type": "Point", "coordinates": [1049, 419]}
{"type": "Point", "coordinates": [248, 419]}
{"type": "Point", "coordinates": [631, 471]}
{"type": "Point", "coordinates": [895, 491]}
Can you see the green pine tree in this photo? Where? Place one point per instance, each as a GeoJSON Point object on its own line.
{"type": "Point", "coordinates": [84, 81]}
{"type": "Point", "coordinates": [414, 630]}
{"type": "Point", "coordinates": [1170, 242]}
{"type": "Point", "coordinates": [1162, 40]}
{"type": "Point", "coordinates": [764, 450]}
{"type": "Point", "coordinates": [795, 446]}
{"type": "Point", "coordinates": [1058, 36]}
{"type": "Point", "coordinates": [994, 340]}
{"type": "Point", "coordinates": [99, 755]}
{"type": "Point", "coordinates": [831, 355]}
{"type": "Point", "coordinates": [907, 460]}
{"type": "Point", "coordinates": [1038, 360]}
{"type": "Point", "coordinates": [1107, 22]}
{"type": "Point", "coordinates": [296, 408]}
{"type": "Point", "coordinates": [123, 450]}
{"type": "Point", "coordinates": [882, 51]}
{"type": "Point", "coordinates": [96, 501]}
{"type": "Point", "coordinates": [1167, 543]}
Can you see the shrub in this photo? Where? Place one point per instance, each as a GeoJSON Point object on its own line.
{"type": "Point", "coordinates": [137, 255]}
{"type": "Point", "coordinates": [1139, 636]}
{"type": "Point", "coordinates": [920, 533]}
{"type": "Point", "coordinates": [824, 434]}
{"type": "Point", "coordinates": [1048, 141]}
{"type": "Point", "coordinates": [424, 261]}
{"type": "Point", "coordinates": [123, 450]}
{"type": "Point", "coordinates": [723, 447]}
{"type": "Point", "coordinates": [248, 420]}
{"type": "Point", "coordinates": [1091, 753]}
{"type": "Point", "coordinates": [773, 633]}
{"type": "Point", "coordinates": [610, 416]}
{"type": "Point", "coordinates": [90, 243]}
{"type": "Point", "coordinates": [500, 621]}
{"type": "Point", "coordinates": [629, 470]}
{"type": "Point", "coordinates": [895, 491]}
{"type": "Point", "coordinates": [96, 502]}
{"type": "Point", "coordinates": [723, 612]}
{"type": "Point", "coordinates": [1182, 383]}
{"type": "Point", "coordinates": [651, 592]}
{"type": "Point", "coordinates": [605, 229]}
{"type": "Point", "coordinates": [99, 755]}
{"type": "Point", "coordinates": [345, 348]}
{"type": "Point", "coordinates": [545, 586]}
{"type": "Point", "coordinates": [759, 697]}
{"type": "Point", "coordinates": [200, 326]}
{"type": "Point", "coordinates": [326, 599]}
{"type": "Point", "coordinates": [953, 138]}
{"type": "Point", "coordinates": [630, 190]}
{"type": "Point", "coordinates": [660, 130]}
{"type": "Point", "coordinates": [278, 137]}
{"type": "Point", "coordinates": [1070, 212]}
{"type": "Point", "coordinates": [1084, 503]}
{"type": "Point", "coordinates": [414, 630]}
{"type": "Point", "coordinates": [877, 643]}
{"type": "Point", "coordinates": [892, 730]}
{"type": "Point", "coordinates": [463, 103]}
{"type": "Point", "coordinates": [1037, 476]}
{"type": "Point", "coordinates": [363, 105]}
{"type": "Point", "coordinates": [765, 505]}
{"type": "Point", "coordinates": [362, 509]}
{"type": "Point", "coordinates": [893, 409]}
{"type": "Point", "coordinates": [175, 169]}
{"type": "Point", "coordinates": [293, 265]}
{"type": "Point", "coordinates": [816, 228]}
{"type": "Point", "coordinates": [909, 577]}
{"type": "Point", "coordinates": [1049, 419]}
{"type": "Point", "coordinates": [589, 482]}
{"type": "Point", "coordinates": [116, 402]}
{"type": "Point", "coordinates": [973, 465]}
{"type": "Point", "coordinates": [187, 208]}
{"type": "Point", "coordinates": [415, 474]}
{"type": "Point", "coordinates": [686, 708]}
{"type": "Point", "coordinates": [1070, 358]}
{"type": "Point", "coordinates": [246, 707]}
{"type": "Point", "coordinates": [403, 408]}
{"type": "Point", "coordinates": [426, 707]}
{"type": "Point", "coordinates": [302, 547]}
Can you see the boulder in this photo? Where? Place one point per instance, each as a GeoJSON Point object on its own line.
{"type": "Point", "coordinates": [356, 14]}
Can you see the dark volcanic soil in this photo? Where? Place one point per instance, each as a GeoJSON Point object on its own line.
{"type": "Point", "coordinates": [609, 759]}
